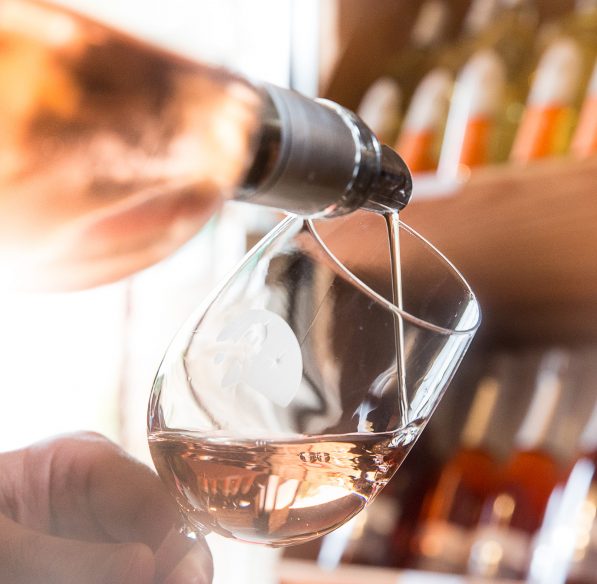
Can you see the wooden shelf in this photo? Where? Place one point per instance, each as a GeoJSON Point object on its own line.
{"type": "Point", "coordinates": [525, 237]}
{"type": "Point", "coordinates": [526, 240]}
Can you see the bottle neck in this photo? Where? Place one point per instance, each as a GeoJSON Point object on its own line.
{"type": "Point", "coordinates": [585, 6]}
{"type": "Point", "coordinates": [431, 24]}
{"type": "Point", "coordinates": [479, 17]}
{"type": "Point", "coordinates": [548, 388]}
{"type": "Point", "coordinates": [514, 4]}
{"type": "Point", "coordinates": [475, 429]}
{"type": "Point", "coordinates": [316, 158]}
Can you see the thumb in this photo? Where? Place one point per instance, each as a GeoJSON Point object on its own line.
{"type": "Point", "coordinates": [29, 557]}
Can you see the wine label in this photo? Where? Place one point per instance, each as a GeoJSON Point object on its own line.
{"type": "Point", "coordinates": [416, 149]}
{"type": "Point", "coordinates": [543, 132]}
{"type": "Point", "coordinates": [260, 350]}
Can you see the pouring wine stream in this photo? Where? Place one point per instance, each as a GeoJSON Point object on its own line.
{"type": "Point", "coordinates": [390, 194]}
{"type": "Point", "coordinates": [393, 224]}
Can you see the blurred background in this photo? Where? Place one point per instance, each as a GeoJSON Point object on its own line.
{"type": "Point", "coordinates": [493, 103]}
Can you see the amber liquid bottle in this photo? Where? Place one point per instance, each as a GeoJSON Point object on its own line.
{"type": "Point", "coordinates": [494, 68]}
{"type": "Point", "coordinates": [502, 542]}
{"type": "Point", "coordinates": [422, 132]}
{"type": "Point", "coordinates": [472, 130]}
{"type": "Point", "coordinates": [453, 506]}
{"type": "Point", "coordinates": [551, 110]}
{"type": "Point", "coordinates": [569, 47]}
{"type": "Point", "coordinates": [382, 104]}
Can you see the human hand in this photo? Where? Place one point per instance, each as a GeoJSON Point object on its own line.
{"type": "Point", "coordinates": [78, 509]}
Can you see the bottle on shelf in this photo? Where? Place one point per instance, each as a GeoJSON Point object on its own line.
{"type": "Point", "coordinates": [565, 550]}
{"type": "Point", "coordinates": [477, 20]}
{"type": "Point", "coordinates": [501, 544]}
{"type": "Point", "coordinates": [512, 38]}
{"type": "Point", "coordinates": [470, 138]}
{"type": "Point", "coordinates": [453, 506]}
{"type": "Point", "coordinates": [550, 114]}
{"type": "Point", "coordinates": [505, 30]}
{"type": "Point", "coordinates": [113, 152]}
{"type": "Point", "coordinates": [568, 49]}
{"type": "Point", "coordinates": [584, 142]}
{"type": "Point", "coordinates": [428, 34]}
{"type": "Point", "coordinates": [381, 107]}
{"type": "Point", "coordinates": [580, 24]}
{"type": "Point", "coordinates": [422, 131]}
{"type": "Point", "coordinates": [507, 26]}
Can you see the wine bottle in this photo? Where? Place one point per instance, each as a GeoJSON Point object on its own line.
{"type": "Point", "coordinates": [506, 32]}
{"type": "Point", "coordinates": [477, 102]}
{"type": "Point", "coordinates": [422, 132]}
{"type": "Point", "coordinates": [580, 24]}
{"type": "Point", "coordinates": [453, 506]}
{"type": "Point", "coordinates": [380, 109]}
{"type": "Point", "coordinates": [569, 47]}
{"type": "Point", "coordinates": [428, 34]}
{"type": "Point", "coordinates": [501, 545]}
{"type": "Point", "coordinates": [114, 152]}
{"type": "Point", "coordinates": [477, 20]}
{"type": "Point", "coordinates": [584, 142]}
{"type": "Point", "coordinates": [565, 551]}
{"type": "Point", "coordinates": [550, 114]}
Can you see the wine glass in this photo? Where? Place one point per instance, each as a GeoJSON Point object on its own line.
{"type": "Point", "coordinates": [293, 394]}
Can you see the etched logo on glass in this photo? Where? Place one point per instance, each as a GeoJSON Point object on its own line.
{"type": "Point", "coordinates": [262, 353]}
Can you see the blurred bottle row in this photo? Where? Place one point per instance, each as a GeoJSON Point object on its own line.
{"type": "Point", "coordinates": [509, 87]}
{"type": "Point", "coordinates": [514, 495]}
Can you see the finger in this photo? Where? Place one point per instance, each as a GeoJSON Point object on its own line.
{"type": "Point", "coordinates": [28, 557]}
{"type": "Point", "coordinates": [97, 491]}
{"type": "Point", "coordinates": [196, 566]}
{"type": "Point", "coordinates": [178, 548]}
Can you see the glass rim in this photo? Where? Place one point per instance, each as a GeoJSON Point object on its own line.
{"type": "Point", "coordinates": [377, 297]}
